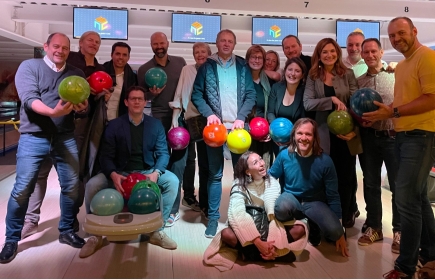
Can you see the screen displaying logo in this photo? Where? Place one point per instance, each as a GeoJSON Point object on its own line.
{"type": "Point", "coordinates": [196, 28]}
{"type": "Point", "coordinates": [101, 23]}
{"type": "Point", "coordinates": [270, 31]}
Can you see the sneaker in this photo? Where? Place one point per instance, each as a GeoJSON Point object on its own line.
{"type": "Point", "coordinates": [172, 219]}
{"type": "Point", "coordinates": [8, 252]}
{"type": "Point", "coordinates": [204, 212]}
{"type": "Point", "coordinates": [370, 235]}
{"type": "Point", "coordinates": [92, 245]}
{"type": "Point", "coordinates": [29, 228]}
{"type": "Point", "coordinates": [211, 229]}
{"type": "Point", "coordinates": [396, 274]}
{"type": "Point", "coordinates": [192, 203]}
{"type": "Point", "coordinates": [160, 238]}
{"type": "Point", "coordinates": [314, 234]}
{"type": "Point", "coordinates": [395, 246]}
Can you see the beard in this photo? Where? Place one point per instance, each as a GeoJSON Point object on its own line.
{"type": "Point", "coordinates": [160, 52]}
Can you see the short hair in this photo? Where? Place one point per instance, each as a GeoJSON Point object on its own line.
{"type": "Point", "coordinates": [300, 63]}
{"type": "Point", "coordinates": [371, 40]}
{"type": "Point", "coordinates": [133, 88]}
{"type": "Point", "coordinates": [122, 45]}
{"type": "Point", "coordinates": [407, 19]}
{"type": "Point", "coordinates": [86, 34]}
{"type": "Point", "coordinates": [201, 45]}
{"type": "Point", "coordinates": [317, 150]}
{"type": "Point", "coordinates": [277, 58]}
{"type": "Point", "coordinates": [50, 37]}
{"type": "Point", "coordinates": [256, 49]}
{"type": "Point", "coordinates": [355, 33]}
{"type": "Point", "coordinates": [290, 36]}
{"type": "Point", "coordinates": [226, 31]}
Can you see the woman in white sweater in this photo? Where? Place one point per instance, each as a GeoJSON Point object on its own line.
{"type": "Point", "coordinates": [251, 176]}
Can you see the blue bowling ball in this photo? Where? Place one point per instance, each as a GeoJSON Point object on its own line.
{"type": "Point", "coordinates": [362, 101]}
{"type": "Point", "coordinates": [107, 202]}
{"type": "Point", "coordinates": [280, 129]}
{"type": "Point", "coordinates": [143, 201]}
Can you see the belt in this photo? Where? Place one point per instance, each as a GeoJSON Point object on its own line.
{"type": "Point", "coordinates": [385, 133]}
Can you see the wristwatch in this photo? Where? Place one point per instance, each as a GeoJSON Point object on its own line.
{"type": "Point", "coordinates": [396, 113]}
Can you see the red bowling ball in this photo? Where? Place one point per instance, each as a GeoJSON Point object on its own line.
{"type": "Point", "coordinates": [259, 128]}
{"type": "Point", "coordinates": [100, 80]}
{"type": "Point", "coordinates": [129, 183]}
{"type": "Point", "coordinates": [178, 138]}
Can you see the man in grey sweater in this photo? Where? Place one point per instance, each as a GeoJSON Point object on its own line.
{"type": "Point", "coordinates": [47, 130]}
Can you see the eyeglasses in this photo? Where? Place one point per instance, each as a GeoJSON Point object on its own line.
{"type": "Point", "coordinates": [256, 58]}
{"type": "Point", "coordinates": [139, 99]}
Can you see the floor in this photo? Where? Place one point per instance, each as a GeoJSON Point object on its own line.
{"type": "Point", "coordinates": [42, 256]}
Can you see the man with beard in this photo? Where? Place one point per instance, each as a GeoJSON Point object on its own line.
{"type": "Point", "coordinates": [353, 60]}
{"type": "Point", "coordinates": [292, 47]}
{"type": "Point", "coordinates": [172, 65]}
{"type": "Point", "coordinates": [413, 113]}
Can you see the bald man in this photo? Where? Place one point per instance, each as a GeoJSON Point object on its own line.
{"type": "Point", "coordinates": [172, 65]}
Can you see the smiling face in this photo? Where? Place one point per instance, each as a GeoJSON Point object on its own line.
{"type": "Point", "coordinates": [328, 56]}
{"type": "Point", "coordinates": [291, 48]}
{"type": "Point", "coordinates": [120, 57]}
{"type": "Point", "coordinates": [402, 36]}
{"type": "Point", "coordinates": [293, 74]}
{"type": "Point", "coordinates": [256, 167]}
{"type": "Point", "coordinates": [256, 61]}
{"type": "Point", "coordinates": [353, 47]}
{"type": "Point", "coordinates": [159, 44]}
{"type": "Point", "coordinates": [372, 54]}
{"type": "Point", "coordinates": [90, 44]}
{"type": "Point", "coordinates": [200, 55]}
{"type": "Point", "coordinates": [304, 137]}
{"type": "Point", "coordinates": [271, 62]}
{"type": "Point", "coordinates": [58, 49]}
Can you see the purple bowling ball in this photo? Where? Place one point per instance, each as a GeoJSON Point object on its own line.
{"type": "Point", "coordinates": [178, 138]}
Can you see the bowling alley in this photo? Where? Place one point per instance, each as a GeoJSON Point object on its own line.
{"type": "Point", "coordinates": [217, 139]}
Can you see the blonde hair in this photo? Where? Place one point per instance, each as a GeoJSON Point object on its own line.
{"type": "Point", "coordinates": [201, 45]}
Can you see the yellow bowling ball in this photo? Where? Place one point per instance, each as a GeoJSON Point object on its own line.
{"type": "Point", "coordinates": [239, 141]}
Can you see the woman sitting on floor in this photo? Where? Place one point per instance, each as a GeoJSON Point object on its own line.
{"type": "Point", "coordinates": [251, 178]}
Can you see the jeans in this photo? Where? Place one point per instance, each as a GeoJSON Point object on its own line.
{"type": "Point", "coordinates": [32, 152]}
{"type": "Point", "coordinates": [214, 185]}
{"type": "Point", "coordinates": [168, 184]}
{"type": "Point", "coordinates": [416, 154]}
{"type": "Point", "coordinates": [288, 207]}
{"type": "Point", "coordinates": [201, 149]}
{"type": "Point", "coordinates": [34, 209]}
{"type": "Point", "coordinates": [378, 149]}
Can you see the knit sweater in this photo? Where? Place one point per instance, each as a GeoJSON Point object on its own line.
{"type": "Point", "coordinates": [221, 256]}
{"type": "Point", "coordinates": [36, 81]}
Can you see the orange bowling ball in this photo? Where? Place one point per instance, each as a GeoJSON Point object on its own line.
{"type": "Point", "coordinates": [215, 135]}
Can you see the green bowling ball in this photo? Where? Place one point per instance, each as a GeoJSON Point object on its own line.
{"type": "Point", "coordinates": [143, 201]}
{"type": "Point", "coordinates": [147, 184]}
{"type": "Point", "coordinates": [107, 202]}
{"type": "Point", "coordinates": [74, 89]}
{"type": "Point", "coordinates": [156, 76]}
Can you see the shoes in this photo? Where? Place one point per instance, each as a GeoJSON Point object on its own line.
{"type": "Point", "coordinates": [92, 245]}
{"type": "Point", "coordinates": [160, 238]}
{"type": "Point", "coordinates": [314, 234]}
{"type": "Point", "coordinates": [364, 227]}
{"type": "Point", "coordinates": [350, 222]}
{"type": "Point", "coordinates": [71, 239]}
{"type": "Point", "coordinates": [204, 212]}
{"type": "Point", "coordinates": [396, 274]}
{"type": "Point", "coordinates": [172, 219]}
{"type": "Point", "coordinates": [211, 229]}
{"type": "Point", "coordinates": [29, 228]}
{"type": "Point", "coordinates": [192, 203]}
{"type": "Point", "coordinates": [395, 246]}
{"type": "Point", "coordinates": [76, 225]}
{"type": "Point", "coordinates": [8, 252]}
{"type": "Point", "coordinates": [370, 235]}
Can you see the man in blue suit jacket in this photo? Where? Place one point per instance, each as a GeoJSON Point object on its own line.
{"type": "Point", "coordinates": [134, 142]}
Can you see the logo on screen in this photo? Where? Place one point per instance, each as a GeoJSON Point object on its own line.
{"type": "Point", "coordinates": [101, 23]}
{"type": "Point", "coordinates": [275, 31]}
{"type": "Point", "coordinates": [196, 28]}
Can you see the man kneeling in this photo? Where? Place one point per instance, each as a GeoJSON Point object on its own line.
{"type": "Point", "coordinates": [134, 142]}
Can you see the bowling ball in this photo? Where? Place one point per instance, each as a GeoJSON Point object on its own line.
{"type": "Point", "coordinates": [74, 89]}
{"type": "Point", "coordinates": [107, 202]}
{"type": "Point", "coordinates": [215, 135]}
{"type": "Point", "coordinates": [129, 183]}
{"type": "Point", "coordinates": [238, 141]}
{"type": "Point", "coordinates": [362, 101]}
{"type": "Point", "coordinates": [147, 184]}
{"type": "Point", "coordinates": [143, 201]}
{"type": "Point", "coordinates": [178, 138]}
{"type": "Point", "coordinates": [100, 80]}
{"type": "Point", "coordinates": [156, 76]}
{"type": "Point", "coordinates": [280, 129]}
{"type": "Point", "coordinates": [340, 122]}
{"type": "Point", "coordinates": [259, 128]}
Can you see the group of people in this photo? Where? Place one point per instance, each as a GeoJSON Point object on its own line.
{"type": "Point", "coordinates": [309, 189]}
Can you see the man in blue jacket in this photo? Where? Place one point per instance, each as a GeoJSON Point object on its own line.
{"type": "Point", "coordinates": [223, 92]}
{"type": "Point", "coordinates": [134, 142]}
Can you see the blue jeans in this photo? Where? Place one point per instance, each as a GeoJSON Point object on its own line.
{"type": "Point", "coordinates": [168, 184]}
{"type": "Point", "coordinates": [416, 155]}
{"type": "Point", "coordinates": [288, 207]}
{"type": "Point", "coordinates": [31, 154]}
{"type": "Point", "coordinates": [214, 185]}
{"type": "Point", "coordinates": [378, 149]}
